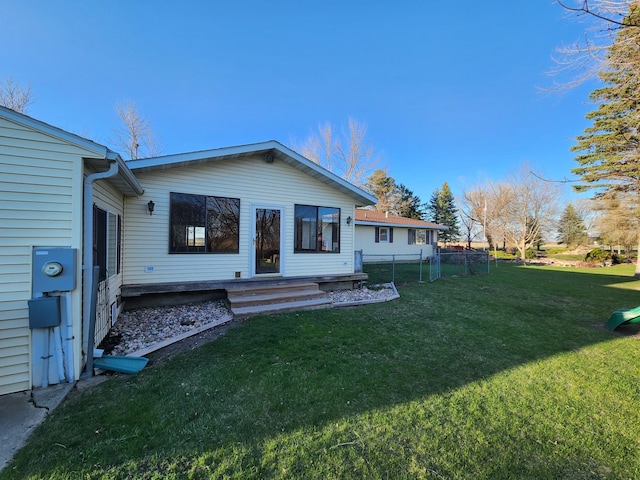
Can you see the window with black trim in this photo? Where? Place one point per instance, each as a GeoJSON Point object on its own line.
{"type": "Point", "coordinates": [204, 224]}
{"type": "Point", "coordinates": [384, 235]}
{"type": "Point", "coordinates": [107, 243]}
{"type": "Point", "coordinates": [417, 236]}
{"type": "Point", "coordinates": [317, 229]}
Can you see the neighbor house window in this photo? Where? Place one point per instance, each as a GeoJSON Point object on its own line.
{"type": "Point", "coordinates": [204, 224]}
{"type": "Point", "coordinates": [417, 236]}
{"type": "Point", "coordinates": [384, 235]}
{"type": "Point", "coordinates": [317, 229]}
{"type": "Point", "coordinates": [106, 242]}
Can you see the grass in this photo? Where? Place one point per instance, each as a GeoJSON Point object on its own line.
{"type": "Point", "coordinates": [507, 375]}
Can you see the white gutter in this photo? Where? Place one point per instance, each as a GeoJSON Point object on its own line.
{"type": "Point", "coordinates": [400, 225]}
{"type": "Point", "coordinates": [87, 251]}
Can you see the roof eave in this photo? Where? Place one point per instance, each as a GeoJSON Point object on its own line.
{"type": "Point", "coordinates": [72, 138]}
{"type": "Point", "coordinates": [99, 155]}
{"type": "Point", "coordinates": [129, 179]}
{"type": "Point", "coordinates": [404, 225]}
{"type": "Point", "coordinates": [273, 147]}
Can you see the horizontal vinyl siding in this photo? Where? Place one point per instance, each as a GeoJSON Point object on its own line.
{"type": "Point", "coordinates": [372, 251]}
{"type": "Point", "coordinates": [107, 198]}
{"type": "Point", "coordinates": [251, 180]}
{"type": "Point", "coordinates": [40, 187]}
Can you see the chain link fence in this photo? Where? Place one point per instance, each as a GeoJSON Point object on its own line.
{"type": "Point", "coordinates": [411, 268]}
{"type": "Point", "coordinates": [397, 268]}
{"type": "Point", "coordinates": [451, 264]}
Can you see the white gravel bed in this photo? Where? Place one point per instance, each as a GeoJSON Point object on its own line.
{"type": "Point", "coordinates": [377, 293]}
{"type": "Point", "coordinates": [144, 327]}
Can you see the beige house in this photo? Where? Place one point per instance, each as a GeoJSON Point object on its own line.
{"type": "Point", "coordinates": [48, 180]}
{"type": "Point", "coordinates": [380, 236]}
{"type": "Point", "coordinates": [252, 211]}
{"type": "Point", "coordinates": [67, 204]}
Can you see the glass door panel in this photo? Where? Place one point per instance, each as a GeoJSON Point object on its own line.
{"type": "Point", "coordinates": [267, 241]}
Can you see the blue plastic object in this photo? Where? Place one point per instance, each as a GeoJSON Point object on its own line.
{"type": "Point", "coordinates": [122, 364]}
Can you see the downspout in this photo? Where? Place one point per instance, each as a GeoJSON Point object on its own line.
{"type": "Point", "coordinates": [87, 255]}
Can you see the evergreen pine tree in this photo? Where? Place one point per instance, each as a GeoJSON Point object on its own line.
{"type": "Point", "coordinates": [393, 198]}
{"type": "Point", "coordinates": [609, 155]}
{"type": "Point", "coordinates": [442, 210]}
{"type": "Point", "coordinates": [571, 229]}
{"type": "Point", "coordinates": [433, 207]}
{"type": "Point", "coordinates": [385, 190]}
{"type": "Point", "coordinates": [410, 204]}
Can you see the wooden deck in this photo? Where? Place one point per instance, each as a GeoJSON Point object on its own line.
{"type": "Point", "coordinates": [275, 290]}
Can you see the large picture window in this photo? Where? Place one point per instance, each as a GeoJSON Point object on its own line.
{"type": "Point", "coordinates": [317, 229]}
{"type": "Point", "coordinates": [204, 224]}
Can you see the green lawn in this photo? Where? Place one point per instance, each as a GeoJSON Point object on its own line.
{"type": "Point", "coordinates": [509, 375]}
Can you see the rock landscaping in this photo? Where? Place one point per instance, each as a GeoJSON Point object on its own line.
{"type": "Point", "coordinates": [141, 329]}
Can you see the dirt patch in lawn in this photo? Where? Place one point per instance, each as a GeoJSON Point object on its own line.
{"type": "Point", "coordinates": [191, 343]}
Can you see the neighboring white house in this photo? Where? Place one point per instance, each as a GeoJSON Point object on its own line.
{"type": "Point", "coordinates": [247, 212]}
{"type": "Point", "coordinates": [380, 235]}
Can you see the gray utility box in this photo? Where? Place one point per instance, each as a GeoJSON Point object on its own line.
{"type": "Point", "coordinates": [54, 269]}
{"type": "Point", "coordinates": [44, 312]}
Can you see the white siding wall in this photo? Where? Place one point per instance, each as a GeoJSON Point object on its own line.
{"type": "Point", "coordinates": [108, 198]}
{"type": "Point", "coordinates": [40, 192]}
{"type": "Point", "coordinates": [253, 181]}
{"type": "Point", "coordinates": [365, 241]}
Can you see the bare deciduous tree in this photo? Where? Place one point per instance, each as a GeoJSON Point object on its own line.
{"type": "Point", "coordinates": [135, 135]}
{"type": "Point", "coordinates": [609, 11]}
{"type": "Point", "coordinates": [616, 220]}
{"type": "Point", "coordinates": [469, 227]}
{"type": "Point", "coordinates": [482, 204]}
{"type": "Point", "coordinates": [516, 211]}
{"type": "Point", "coordinates": [358, 158]}
{"type": "Point", "coordinates": [350, 156]}
{"type": "Point", "coordinates": [530, 209]}
{"type": "Point", "coordinates": [584, 59]}
{"type": "Point", "coordinates": [319, 147]}
{"type": "Point", "coordinates": [15, 97]}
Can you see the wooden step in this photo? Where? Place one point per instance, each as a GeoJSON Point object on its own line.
{"type": "Point", "coordinates": [266, 296]}
{"type": "Point", "coordinates": [274, 297]}
{"type": "Point", "coordinates": [259, 287]}
{"type": "Point", "coordinates": [270, 309]}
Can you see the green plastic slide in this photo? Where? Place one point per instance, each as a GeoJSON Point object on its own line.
{"type": "Point", "coordinates": [622, 317]}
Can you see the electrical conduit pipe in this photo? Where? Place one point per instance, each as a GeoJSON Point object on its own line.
{"type": "Point", "coordinates": [67, 343]}
{"type": "Point", "coordinates": [87, 256]}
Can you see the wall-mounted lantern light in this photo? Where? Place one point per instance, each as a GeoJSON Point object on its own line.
{"type": "Point", "coordinates": [151, 206]}
{"type": "Point", "coordinates": [349, 220]}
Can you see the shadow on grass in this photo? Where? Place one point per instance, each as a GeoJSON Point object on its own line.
{"type": "Point", "coordinates": [303, 371]}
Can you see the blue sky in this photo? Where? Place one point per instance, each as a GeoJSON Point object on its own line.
{"type": "Point", "coordinates": [449, 91]}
